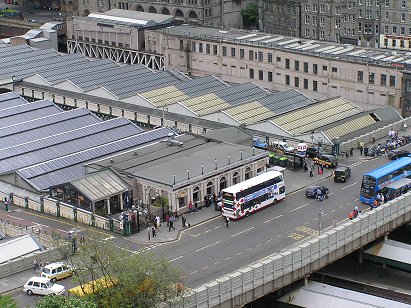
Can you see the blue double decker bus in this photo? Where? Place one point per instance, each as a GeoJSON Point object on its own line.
{"type": "Point", "coordinates": [393, 176]}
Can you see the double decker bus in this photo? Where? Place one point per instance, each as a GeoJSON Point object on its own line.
{"type": "Point", "coordinates": [247, 197]}
{"type": "Point", "coordinates": [394, 175]}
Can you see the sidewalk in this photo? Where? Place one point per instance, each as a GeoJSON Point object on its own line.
{"type": "Point", "coordinates": [17, 280]}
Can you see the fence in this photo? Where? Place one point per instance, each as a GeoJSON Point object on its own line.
{"type": "Point", "coordinates": [281, 269]}
{"type": "Point", "coordinates": [26, 262]}
{"type": "Point", "coordinates": [377, 134]}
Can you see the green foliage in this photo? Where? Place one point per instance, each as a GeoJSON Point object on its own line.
{"type": "Point", "coordinates": [250, 16]}
{"type": "Point", "coordinates": [58, 301]}
{"type": "Point", "coordinates": [6, 301]}
{"type": "Point", "coordinates": [160, 202]}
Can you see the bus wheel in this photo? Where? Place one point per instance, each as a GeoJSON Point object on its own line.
{"type": "Point", "coordinates": [247, 214]}
{"type": "Point", "coordinates": [275, 202]}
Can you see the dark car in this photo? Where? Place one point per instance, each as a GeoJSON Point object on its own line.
{"type": "Point", "coordinates": [342, 173]}
{"type": "Point", "coordinates": [311, 191]}
{"type": "Point", "coordinates": [395, 154]}
{"type": "Point", "coordinates": [314, 151]}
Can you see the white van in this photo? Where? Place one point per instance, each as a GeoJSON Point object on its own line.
{"type": "Point", "coordinates": [283, 146]}
{"type": "Point", "coordinates": [42, 286]}
{"type": "Point", "coordinates": [56, 271]}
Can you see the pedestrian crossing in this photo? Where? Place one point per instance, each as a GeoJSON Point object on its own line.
{"type": "Point", "coordinates": [148, 248]}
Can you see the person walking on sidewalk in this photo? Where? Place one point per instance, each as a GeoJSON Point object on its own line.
{"type": "Point", "coordinates": [227, 221]}
{"type": "Point", "coordinates": [35, 265]}
{"type": "Point", "coordinates": [171, 225]}
{"type": "Point", "coordinates": [154, 231]}
{"type": "Point", "coordinates": [190, 206]}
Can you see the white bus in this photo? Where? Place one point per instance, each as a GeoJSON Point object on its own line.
{"type": "Point", "coordinates": [247, 197]}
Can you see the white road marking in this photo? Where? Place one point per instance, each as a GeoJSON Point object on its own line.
{"type": "Point", "coordinates": [199, 249]}
{"type": "Point", "coordinates": [207, 231]}
{"type": "Point", "coordinates": [108, 238]}
{"type": "Point", "coordinates": [175, 259]}
{"type": "Point", "coordinates": [217, 227]}
{"type": "Point", "coordinates": [193, 272]}
{"type": "Point", "coordinates": [273, 219]}
{"type": "Point", "coordinates": [16, 217]}
{"type": "Point", "coordinates": [278, 235]}
{"type": "Point", "coordinates": [242, 231]}
{"type": "Point", "coordinates": [349, 185]}
{"type": "Point", "coordinates": [300, 207]}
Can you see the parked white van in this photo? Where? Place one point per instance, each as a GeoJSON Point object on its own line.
{"type": "Point", "coordinates": [42, 286]}
{"type": "Point", "coordinates": [283, 146]}
{"type": "Point", "coordinates": [56, 271]}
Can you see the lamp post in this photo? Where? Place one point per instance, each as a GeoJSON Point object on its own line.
{"type": "Point", "coordinates": [312, 138]}
{"type": "Point", "coordinates": [336, 146]}
{"type": "Point", "coordinates": [319, 221]}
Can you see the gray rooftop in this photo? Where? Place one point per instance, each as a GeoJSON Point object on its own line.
{"type": "Point", "coordinates": [160, 161]}
{"type": "Point", "coordinates": [293, 44]}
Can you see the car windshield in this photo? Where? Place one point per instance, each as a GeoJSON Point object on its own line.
{"type": "Point", "coordinates": [46, 271]}
{"type": "Point", "coordinates": [285, 145]}
{"type": "Point", "coordinates": [49, 284]}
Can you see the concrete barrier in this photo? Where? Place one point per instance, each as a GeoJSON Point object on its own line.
{"type": "Point", "coordinates": [280, 269]}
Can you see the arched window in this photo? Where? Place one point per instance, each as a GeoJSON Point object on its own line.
{"type": "Point", "coordinates": [193, 15]}
{"type": "Point", "coordinates": [236, 178]}
{"type": "Point", "coordinates": [139, 8]}
{"type": "Point", "coordinates": [152, 9]}
{"type": "Point", "coordinates": [248, 173]}
{"type": "Point", "coordinates": [179, 13]}
{"type": "Point", "coordinates": [210, 188]}
{"type": "Point", "coordinates": [196, 194]}
{"type": "Point", "coordinates": [165, 11]}
{"type": "Point", "coordinates": [223, 183]}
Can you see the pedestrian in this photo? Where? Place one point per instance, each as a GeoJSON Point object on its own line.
{"type": "Point", "coordinates": [41, 264]}
{"type": "Point", "coordinates": [183, 220]}
{"type": "Point", "coordinates": [311, 172]}
{"type": "Point", "coordinates": [351, 151]}
{"type": "Point", "coordinates": [334, 222]}
{"type": "Point", "coordinates": [171, 223]}
{"type": "Point", "coordinates": [373, 139]}
{"type": "Point", "coordinates": [168, 220]}
{"type": "Point", "coordinates": [404, 127]}
{"type": "Point", "coordinates": [158, 222]}
{"type": "Point", "coordinates": [305, 166]}
{"type": "Point", "coordinates": [82, 240]}
{"type": "Point", "coordinates": [382, 198]}
{"type": "Point", "coordinates": [227, 221]}
{"type": "Point", "coordinates": [148, 232]}
{"type": "Point", "coordinates": [190, 206]}
{"type": "Point", "coordinates": [322, 169]}
{"type": "Point", "coordinates": [195, 206]}
{"type": "Point", "coordinates": [35, 265]}
{"type": "Point", "coordinates": [312, 165]}
{"type": "Point", "coordinates": [153, 230]}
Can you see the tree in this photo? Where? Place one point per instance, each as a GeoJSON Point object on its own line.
{"type": "Point", "coordinates": [250, 16]}
{"type": "Point", "coordinates": [136, 280]}
{"type": "Point", "coordinates": [58, 301]}
{"type": "Point", "coordinates": [7, 301]}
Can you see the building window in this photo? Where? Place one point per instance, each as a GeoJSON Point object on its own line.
{"type": "Point", "coordinates": [306, 84]}
{"type": "Point", "coordinates": [334, 69]}
{"type": "Point", "coordinates": [279, 59]}
{"type": "Point", "coordinates": [360, 76]}
{"type": "Point", "coordinates": [232, 52]}
{"type": "Point", "coordinates": [305, 67]}
{"type": "Point", "coordinates": [181, 44]}
{"type": "Point", "coordinates": [402, 17]}
{"type": "Point", "coordinates": [383, 79]}
{"type": "Point", "coordinates": [392, 81]}
{"type": "Point", "coordinates": [215, 49]}
{"type": "Point", "coordinates": [200, 47]}
{"type": "Point", "coordinates": [315, 69]}
{"type": "Point", "coordinates": [270, 57]}
{"type": "Point", "coordinates": [223, 183]}
{"type": "Point", "coordinates": [250, 55]}
{"type": "Point", "coordinates": [296, 82]}
{"type": "Point", "coordinates": [325, 68]}
{"type": "Point", "coordinates": [270, 76]}
{"type": "Point", "coordinates": [241, 53]}
{"type": "Point", "coordinates": [315, 86]}
{"type": "Point", "coordinates": [193, 46]}
{"type": "Point", "coordinates": [387, 3]}
{"type": "Point", "coordinates": [224, 51]}
{"type": "Point", "coordinates": [236, 178]}
{"type": "Point", "coordinates": [251, 73]}
{"type": "Point", "coordinates": [297, 65]}
{"type": "Point", "coordinates": [260, 75]}
{"type": "Point", "coordinates": [208, 49]}
{"type": "Point", "coordinates": [371, 78]}
{"type": "Point", "coordinates": [287, 63]}
{"type": "Point", "coordinates": [307, 32]}
{"type": "Point", "coordinates": [248, 173]}
{"type": "Point", "coordinates": [287, 80]}
{"type": "Point", "coordinates": [260, 56]}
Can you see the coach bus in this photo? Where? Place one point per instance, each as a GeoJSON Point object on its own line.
{"type": "Point", "coordinates": [247, 197]}
{"type": "Point", "coordinates": [382, 178]}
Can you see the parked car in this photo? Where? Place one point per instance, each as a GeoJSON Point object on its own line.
{"type": "Point", "coordinates": [42, 286]}
{"type": "Point", "coordinates": [395, 154]}
{"type": "Point", "coordinates": [342, 173]}
{"type": "Point", "coordinates": [311, 191]}
{"type": "Point", "coordinates": [56, 271]}
{"type": "Point", "coordinates": [329, 161]}
{"type": "Point", "coordinates": [314, 151]}
{"type": "Point", "coordinates": [283, 146]}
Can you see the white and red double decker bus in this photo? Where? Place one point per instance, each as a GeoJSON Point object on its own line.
{"type": "Point", "coordinates": [247, 197]}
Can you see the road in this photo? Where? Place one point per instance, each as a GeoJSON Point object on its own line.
{"type": "Point", "coordinates": [210, 250]}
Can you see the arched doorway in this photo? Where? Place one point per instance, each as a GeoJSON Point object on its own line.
{"type": "Point", "coordinates": [192, 15]}
{"type": "Point", "coordinates": [179, 13]}
{"type": "Point", "coordinates": [210, 188]}
{"type": "Point", "coordinates": [236, 178]}
{"type": "Point", "coordinates": [223, 183]}
{"type": "Point", "coordinates": [248, 173]}
{"type": "Point", "coordinates": [152, 9]}
{"type": "Point", "coordinates": [165, 11]}
{"type": "Point", "coordinates": [139, 8]}
{"type": "Point", "coordinates": [196, 194]}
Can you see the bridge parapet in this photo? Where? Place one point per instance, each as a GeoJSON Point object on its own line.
{"type": "Point", "coordinates": [280, 269]}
